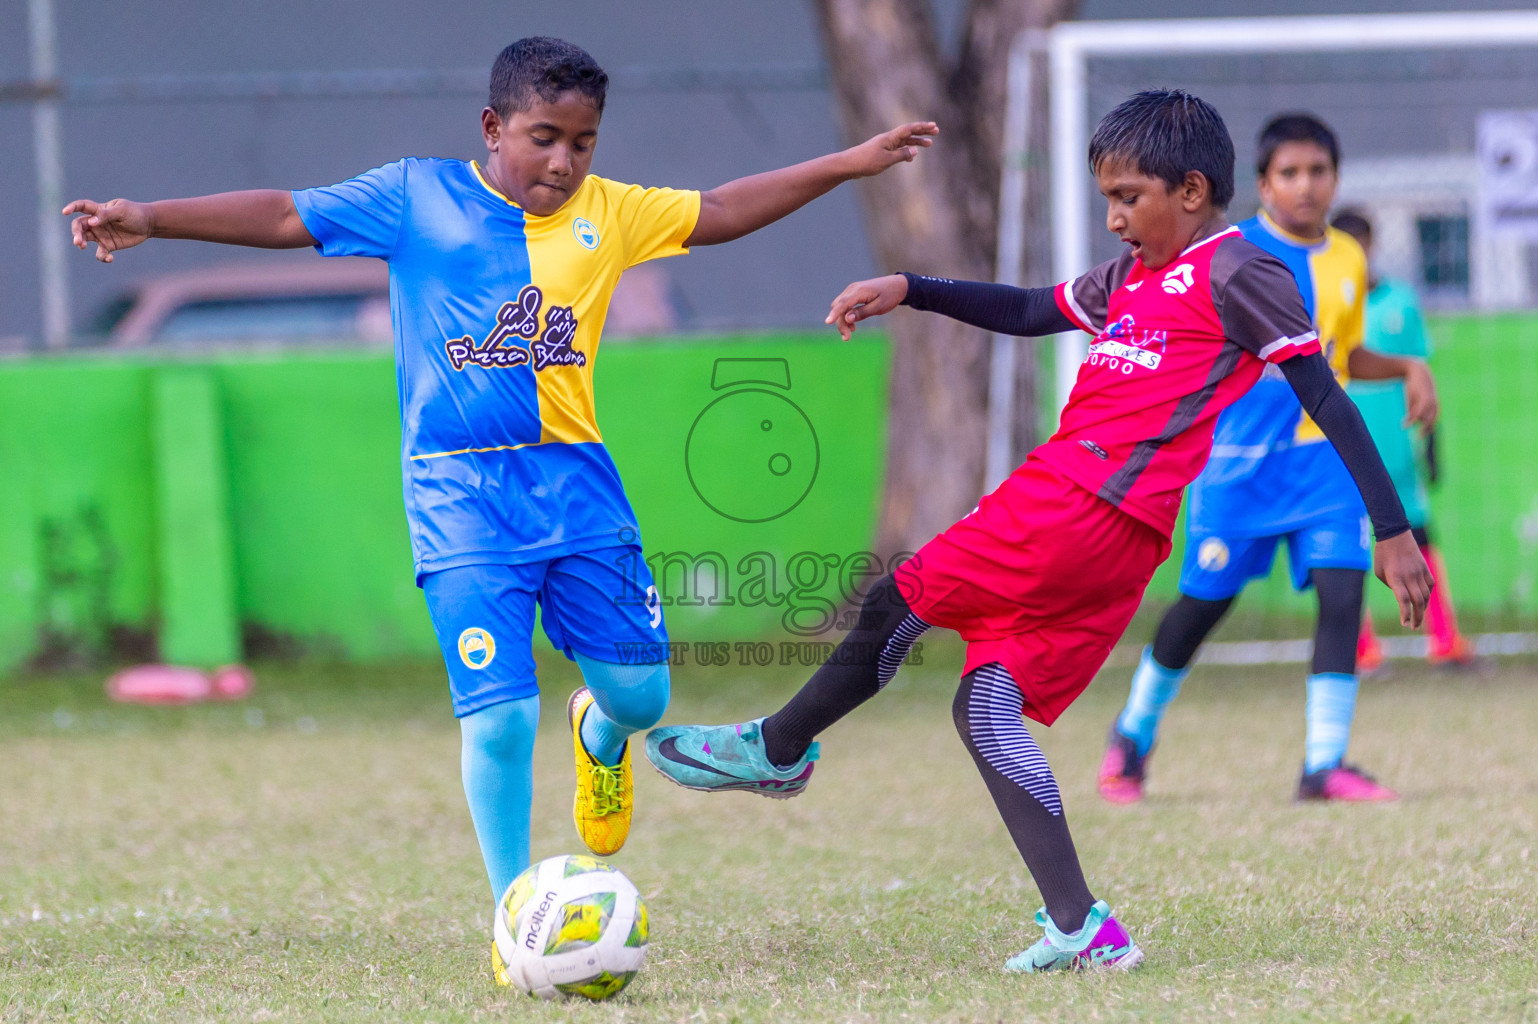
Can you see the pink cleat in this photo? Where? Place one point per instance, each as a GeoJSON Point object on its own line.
{"type": "Point", "coordinates": [1345, 783]}
{"type": "Point", "coordinates": [1120, 779]}
{"type": "Point", "coordinates": [177, 684]}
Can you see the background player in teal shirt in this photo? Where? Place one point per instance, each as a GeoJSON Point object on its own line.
{"type": "Point", "coordinates": [500, 280]}
{"type": "Point", "coordinates": [1395, 327]}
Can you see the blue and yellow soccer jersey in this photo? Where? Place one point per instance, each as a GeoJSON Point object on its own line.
{"type": "Point", "coordinates": [497, 315]}
{"type": "Point", "coordinates": [1271, 470]}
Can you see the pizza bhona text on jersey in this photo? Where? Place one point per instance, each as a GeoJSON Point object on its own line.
{"type": "Point", "coordinates": [520, 319]}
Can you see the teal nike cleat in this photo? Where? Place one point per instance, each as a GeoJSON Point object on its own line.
{"type": "Point", "coordinates": [718, 758]}
{"type": "Point", "coordinates": [1101, 942]}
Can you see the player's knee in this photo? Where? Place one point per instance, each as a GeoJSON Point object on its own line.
{"type": "Point", "coordinates": [641, 707]}
{"type": "Point", "coordinates": [503, 731]}
{"type": "Point", "coordinates": [633, 696]}
{"type": "Point", "coordinates": [1184, 627]}
{"type": "Point", "coordinates": [883, 607]}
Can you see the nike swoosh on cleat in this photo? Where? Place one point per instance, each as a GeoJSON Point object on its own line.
{"type": "Point", "coordinates": [668, 748]}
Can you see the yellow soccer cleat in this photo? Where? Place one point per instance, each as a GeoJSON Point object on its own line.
{"type": "Point", "coordinates": [498, 967]}
{"type": "Point", "coordinates": [605, 795]}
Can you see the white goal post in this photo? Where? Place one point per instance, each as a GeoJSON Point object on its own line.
{"type": "Point", "coordinates": [1068, 47]}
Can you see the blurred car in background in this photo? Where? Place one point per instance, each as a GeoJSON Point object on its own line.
{"type": "Point", "coordinates": [336, 301]}
{"type": "Point", "coordinates": [329, 302]}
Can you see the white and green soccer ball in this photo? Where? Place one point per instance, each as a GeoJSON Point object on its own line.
{"type": "Point", "coordinates": [571, 926]}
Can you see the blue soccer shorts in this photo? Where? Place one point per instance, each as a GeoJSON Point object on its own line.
{"type": "Point", "coordinates": [601, 604]}
{"type": "Point", "coordinates": [1216, 568]}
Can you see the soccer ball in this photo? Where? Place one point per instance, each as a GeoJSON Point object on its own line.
{"type": "Point", "coordinates": [571, 926]}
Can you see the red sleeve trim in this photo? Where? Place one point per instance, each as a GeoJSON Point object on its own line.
{"type": "Point", "coordinates": [1283, 349]}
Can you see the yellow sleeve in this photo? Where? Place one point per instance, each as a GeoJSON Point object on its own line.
{"type": "Point", "coordinates": [1353, 327]}
{"type": "Point", "coordinates": [652, 222]}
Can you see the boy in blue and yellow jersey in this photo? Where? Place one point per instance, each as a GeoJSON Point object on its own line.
{"type": "Point", "coordinates": [500, 279]}
{"type": "Point", "coordinates": [1272, 477]}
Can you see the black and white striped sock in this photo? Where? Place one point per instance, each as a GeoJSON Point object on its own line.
{"type": "Point", "coordinates": [987, 712]}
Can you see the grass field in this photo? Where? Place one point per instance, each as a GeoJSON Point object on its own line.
{"type": "Point", "coordinates": [306, 856]}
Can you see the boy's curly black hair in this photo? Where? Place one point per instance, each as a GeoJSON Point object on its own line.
{"type": "Point", "coordinates": [542, 68]}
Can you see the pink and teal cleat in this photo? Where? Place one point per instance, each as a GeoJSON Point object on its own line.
{"type": "Point", "coordinates": [1120, 779]}
{"type": "Point", "coordinates": [1344, 783]}
{"type": "Point", "coordinates": [1100, 943]}
{"type": "Point", "coordinates": [721, 758]}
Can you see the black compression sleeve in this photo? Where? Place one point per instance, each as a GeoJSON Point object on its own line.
{"type": "Point", "coordinates": [1340, 618]}
{"type": "Point", "coordinates": [1000, 308]}
{"type": "Point", "coordinates": [1342, 423]}
{"type": "Point", "coordinates": [1184, 627]}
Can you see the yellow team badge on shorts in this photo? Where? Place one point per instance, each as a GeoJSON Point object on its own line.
{"type": "Point", "coordinates": [1211, 556]}
{"type": "Point", "coordinates": [476, 648]}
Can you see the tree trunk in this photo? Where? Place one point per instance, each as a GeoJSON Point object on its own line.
{"type": "Point", "coordinates": [938, 215]}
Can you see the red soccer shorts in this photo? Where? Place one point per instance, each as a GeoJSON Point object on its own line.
{"type": "Point", "coordinates": [1042, 577]}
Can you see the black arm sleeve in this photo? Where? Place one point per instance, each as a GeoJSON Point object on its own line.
{"type": "Point", "coordinates": [1000, 308]}
{"type": "Point", "coordinates": [1342, 423]}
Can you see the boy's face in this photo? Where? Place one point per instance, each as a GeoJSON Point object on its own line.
{"type": "Point", "coordinates": [1298, 188]}
{"type": "Point", "coordinates": [1158, 221]}
{"type": "Point", "coordinates": [538, 157]}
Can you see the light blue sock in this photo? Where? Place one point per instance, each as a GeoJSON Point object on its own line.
{"type": "Point", "coordinates": [497, 764]}
{"type": "Point", "coordinates": [1153, 688]}
{"type": "Point", "coordinates": [626, 699]}
{"type": "Point", "coordinates": [1331, 706]}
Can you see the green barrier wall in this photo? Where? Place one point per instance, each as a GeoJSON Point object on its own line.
{"type": "Point", "coordinates": [167, 500]}
{"type": "Point", "coordinates": [154, 501]}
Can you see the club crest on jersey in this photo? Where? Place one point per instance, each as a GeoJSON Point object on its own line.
{"type": "Point", "coordinates": [1212, 556]}
{"type": "Point", "coordinates": [520, 320]}
{"type": "Point", "coordinates": [477, 648]}
{"type": "Point", "coordinates": [586, 234]}
{"type": "Point", "coordinates": [1179, 280]}
{"type": "Point", "coordinates": [1121, 346]}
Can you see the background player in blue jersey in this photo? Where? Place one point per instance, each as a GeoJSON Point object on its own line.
{"type": "Point", "coordinates": [1272, 477]}
{"type": "Point", "coordinates": [500, 279]}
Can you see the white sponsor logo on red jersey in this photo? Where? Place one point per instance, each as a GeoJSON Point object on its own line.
{"type": "Point", "coordinates": [1179, 280]}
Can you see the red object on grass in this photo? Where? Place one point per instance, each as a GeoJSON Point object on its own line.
{"type": "Point", "coordinates": [177, 684]}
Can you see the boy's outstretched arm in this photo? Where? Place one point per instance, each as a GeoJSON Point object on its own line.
{"type": "Point", "coordinates": [264, 218]}
{"type": "Point", "coordinates": [1000, 308]}
{"type": "Point", "coordinates": [744, 205]}
{"type": "Point", "coordinates": [1420, 390]}
{"type": "Point", "coordinates": [1397, 560]}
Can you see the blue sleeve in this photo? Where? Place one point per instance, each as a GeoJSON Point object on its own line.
{"type": "Point", "coordinates": [358, 217]}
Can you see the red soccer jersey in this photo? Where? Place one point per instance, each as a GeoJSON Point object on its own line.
{"type": "Point", "coordinates": [1173, 348]}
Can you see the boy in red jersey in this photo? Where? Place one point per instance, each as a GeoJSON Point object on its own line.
{"type": "Point", "coordinates": [1043, 576]}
